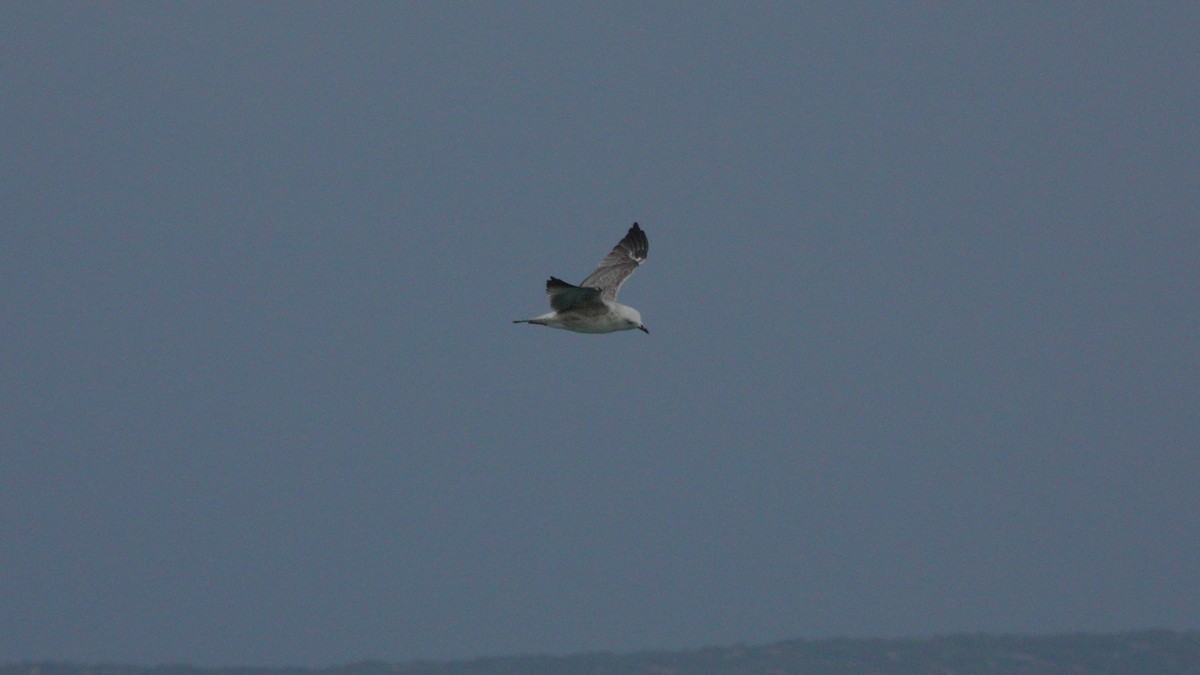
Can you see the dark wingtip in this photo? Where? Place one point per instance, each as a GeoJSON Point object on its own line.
{"type": "Point", "coordinates": [555, 282]}
{"type": "Point", "coordinates": [635, 239]}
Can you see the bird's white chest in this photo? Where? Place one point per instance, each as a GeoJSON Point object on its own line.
{"type": "Point", "coordinates": [606, 322]}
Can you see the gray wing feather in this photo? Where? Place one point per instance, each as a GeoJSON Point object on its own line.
{"type": "Point", "coordinates": [565, 297]}
{"type": "Point", "coordinates": [619, 264]}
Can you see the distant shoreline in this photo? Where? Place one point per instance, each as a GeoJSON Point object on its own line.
{"type": "Point", "coordinates": [1156, 651]}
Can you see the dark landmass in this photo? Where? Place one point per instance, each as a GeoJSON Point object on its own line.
{"type": "Point", "coordinates": [1157, 652]}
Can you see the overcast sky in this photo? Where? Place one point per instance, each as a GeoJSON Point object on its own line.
{"type": "Point", "coordinates": [922, 293]}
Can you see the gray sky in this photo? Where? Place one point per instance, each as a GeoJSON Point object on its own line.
{"type": "Point", "coordinates": [922, 289]}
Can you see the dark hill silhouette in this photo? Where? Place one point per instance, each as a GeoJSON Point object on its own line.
{"type": "Point", "coordinates": [1156, 652]}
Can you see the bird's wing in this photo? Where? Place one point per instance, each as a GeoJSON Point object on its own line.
{"type": "Point", "coordinates": [619, 264]}
{"type": "Point", "coordinates": [564, 296]}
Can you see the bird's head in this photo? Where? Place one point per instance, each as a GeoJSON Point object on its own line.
{"type": "Point", "coordinates": [633, 319]}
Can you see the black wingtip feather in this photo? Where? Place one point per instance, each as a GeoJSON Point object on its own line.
{"type": "Point", "coordinates": [637, 243]}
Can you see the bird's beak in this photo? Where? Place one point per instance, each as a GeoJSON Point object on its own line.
{"type": "Point", "coordinates": [644, 330]}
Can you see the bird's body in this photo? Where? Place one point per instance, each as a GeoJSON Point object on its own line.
{"type": "Point", "coordinates": [592, 306]}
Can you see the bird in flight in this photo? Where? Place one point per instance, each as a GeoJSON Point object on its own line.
{"type": "Point", "coordinates": [592, 307]}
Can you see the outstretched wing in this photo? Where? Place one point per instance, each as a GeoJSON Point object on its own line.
{"type": "Point", "coordinates": [565, 297]}
{"type": "Point", "coordinates": [619, 264]}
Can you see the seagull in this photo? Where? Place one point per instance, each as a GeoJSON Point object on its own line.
{"type": "Point", "coordinates": [592, 307]}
